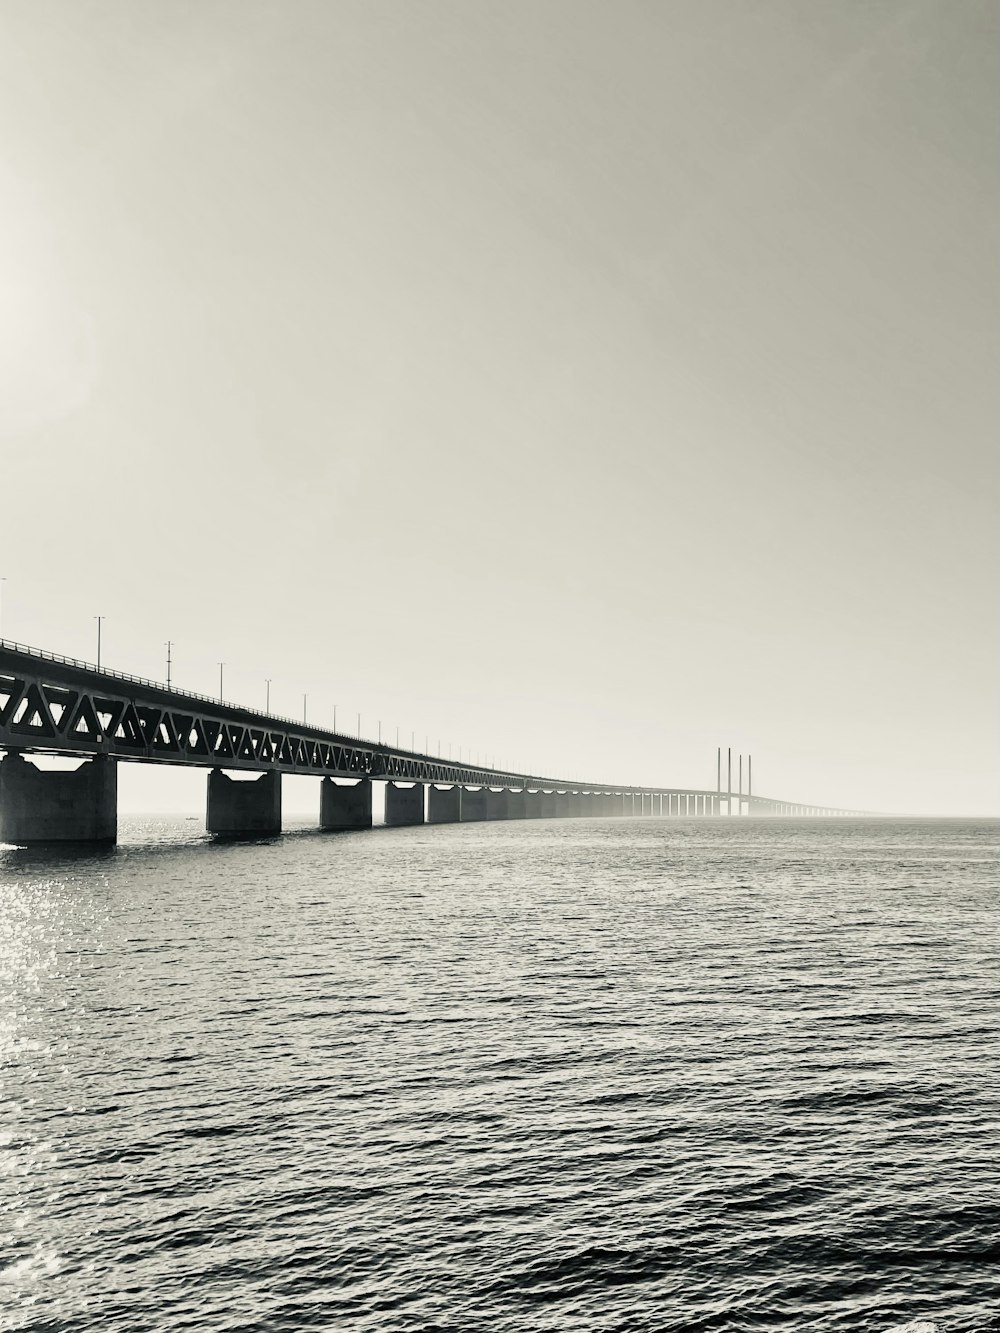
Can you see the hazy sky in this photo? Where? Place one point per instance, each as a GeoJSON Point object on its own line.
{"type": "Point", "coordinates": [590, 384]}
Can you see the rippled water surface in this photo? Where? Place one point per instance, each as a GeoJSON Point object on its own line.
{"type": "Point", "coordinates": [559, 1075]}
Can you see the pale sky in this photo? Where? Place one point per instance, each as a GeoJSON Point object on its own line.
{"type": "Point", "coordinates": [587, 384]}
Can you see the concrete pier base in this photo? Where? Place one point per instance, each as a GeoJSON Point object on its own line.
{"type": "Point", "coordinates": [534, 804]}
{"type": "Point", "coordinates": [473, 805]}
{"type": "Point", "coordinates": [404, 805]}
{"type": "Point", "coordinates": [45, 805]}
{"type": "Point", "coordinates": [444, 805]}
{"type": "Point", "coordinates": [550, 804]}
{"type": "Point", "coordinates": [243, 809]}
{"type": "Point", "coordinates": [343, 807]}
{"type": "Point", "coordinates": [497, 804]}
{"type": "Point", "coordinates": [516, 804]}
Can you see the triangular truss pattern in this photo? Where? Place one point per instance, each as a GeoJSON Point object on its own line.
{"type": "Point", "coordinates": [11, 693]}
{"type": "Point", "coordinates": [83, 721]}
{"type": "Point", "coordinates": [31, 717]}
{"type": "Point", "coordinates": [128, 731]}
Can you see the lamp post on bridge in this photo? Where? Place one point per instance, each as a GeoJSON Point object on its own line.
{"type": "Point", "coordinates": [221, 666]}
{"type": "Point", "coordinates": [169, 646]}
{"type": "Point", "coordinates": [335, 718]}
{"type": "Point", "coordinates": [267, 696]}
{"type": "Point", "coordinates": [305, 700]}
{"type": "Point", "coordinates": [99, 619]}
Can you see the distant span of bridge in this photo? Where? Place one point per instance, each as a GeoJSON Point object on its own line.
{"type": "Point", "coordinates": [55, 705]}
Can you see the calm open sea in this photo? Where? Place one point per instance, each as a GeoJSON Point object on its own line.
{"type": "Point", "coordinates": [570, 1075]}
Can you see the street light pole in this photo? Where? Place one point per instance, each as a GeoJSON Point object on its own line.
{"type": "Point", "coordinates": [305, 698]}
{"type": "Point", "coordinates": [99, 619]}
{"type": "Point", "coordinates": [267, 696]}
{"type": "Point", "coordinates": [221, 665]}
{"type": "Point", "coordinates": [3, 580]}
{"type": "Point", "coordinates": [169, 646]}
{"type": "Point", "coordinates": [335, 718]}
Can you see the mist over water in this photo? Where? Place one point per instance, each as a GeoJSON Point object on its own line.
{"type": "Point", "coordinates": [587, 1075]}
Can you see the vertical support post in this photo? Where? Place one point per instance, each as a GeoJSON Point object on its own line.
{"type": "Point", "coordinates": [404, 806]}
{"type": "Point", "coordinates": [444, 805]}
{"type": "Point", "coordinates": [244, 809]}
{"type": "Point", "coordinates": [473, 808]}
{"type": "Point", "coordinates": [345, 807]}
{"type": "Point", "coordinates": [43, 805]}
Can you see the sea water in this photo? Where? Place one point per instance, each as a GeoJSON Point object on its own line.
{"type": "Point", "coordinates": [585, 1075]}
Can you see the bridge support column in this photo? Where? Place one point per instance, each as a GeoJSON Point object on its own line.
{"type": "Point", "coordinates": [46, 805]}
{"type": "Point", "coordinates": [534, 804]}
{"type": "Point", "coordinates": [345, 807]}
{"type": "Point", "coordinates": [516, 804]}
{"type": "Point", "coordinates": [550, 804]}
{"type": "Point", "coordinates": [497, 803]}
{"type": "Point", "coordinates": [244, 809]}
{"type": "Point", "coordinates": [473, 805]}
{"type": "Point", "coordinates": [404, 805]}
{"type": "Point", "coordinates": [444, 805]}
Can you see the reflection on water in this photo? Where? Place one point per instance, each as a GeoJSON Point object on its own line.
{"type": "Point", "coordinates": [598, 1075]}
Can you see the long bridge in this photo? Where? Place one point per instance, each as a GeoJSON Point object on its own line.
{"type": "Point", "coordinates": [55, 705]}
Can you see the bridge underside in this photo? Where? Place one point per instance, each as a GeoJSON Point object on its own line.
{"type": "Point", "coordinates": [55, 706]}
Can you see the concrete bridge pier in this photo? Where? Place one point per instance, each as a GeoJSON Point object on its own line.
{"type": "Point", "coordinates": [444, 805]}
{"type": "Point", "coordinates": [497, 803]}
{"type": "Point", "coordinates": [404, 805]}
{"type": "Point", "coordinates": [534, 804]}
{"type": "Point", "coordinates": [342, 807]}
{"type": "Point", "coordinates": [473, 805]}
{"type": "Point", "coordinates": [45, 805]}
{"type": "Point", "coordinates": [244, 808]}
{"type": "Point", "coordinates": [550, 804]}
{"type": "Point", "coordinates": [516, 806]}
